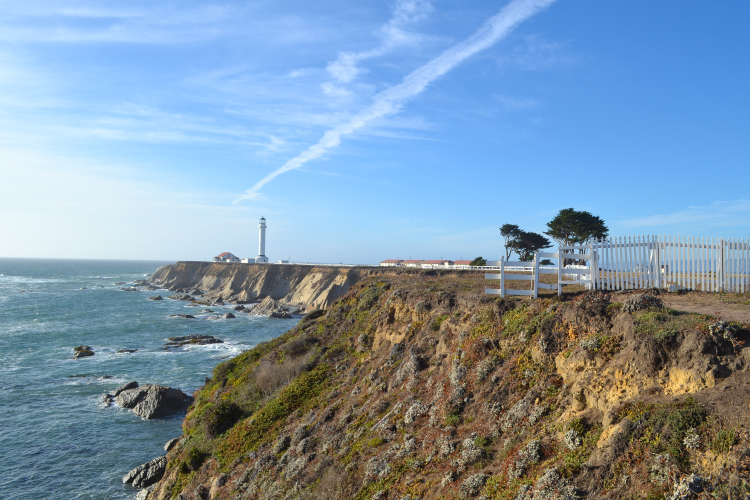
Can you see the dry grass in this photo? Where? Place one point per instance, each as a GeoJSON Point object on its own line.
{"type": "Point", "coordinates": [270, 376]}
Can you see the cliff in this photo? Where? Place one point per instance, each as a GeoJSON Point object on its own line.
{"type": "Point", "coordinates": [315, 286]}
{"type": "Point", "coordinates": [416, 385]}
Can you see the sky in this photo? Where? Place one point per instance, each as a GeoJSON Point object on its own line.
{"type": "Point", "coordinates": [368, 130]}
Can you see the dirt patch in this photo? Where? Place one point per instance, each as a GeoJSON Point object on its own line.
{"type": "Point", "coordinates": [707, 303]}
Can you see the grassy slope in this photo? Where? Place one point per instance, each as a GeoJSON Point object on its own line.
{"type": "Point", "coordinates": [418, 385]}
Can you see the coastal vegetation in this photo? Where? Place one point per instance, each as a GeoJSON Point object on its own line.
{"type": "Point", "coordinates": [416, 385]}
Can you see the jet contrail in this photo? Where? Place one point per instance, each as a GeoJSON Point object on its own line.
{"type": "Point", "coordinates": [391, 100]}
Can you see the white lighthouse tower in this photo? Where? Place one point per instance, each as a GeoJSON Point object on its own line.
{"type": "Point", "coordinates": [261, 258]}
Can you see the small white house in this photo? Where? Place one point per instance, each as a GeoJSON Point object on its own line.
{"type": "Point", "coordinates": [411, 263]}
{"type": "Point", "coordinates": [226, 257]}
{"type": "Point", "coordinates": [433, 264]}
{"type": "Point", "coordinates": [391, 262]}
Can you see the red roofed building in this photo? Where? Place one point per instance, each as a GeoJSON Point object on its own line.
{"type": "Point", "coordinates": [226, 257]}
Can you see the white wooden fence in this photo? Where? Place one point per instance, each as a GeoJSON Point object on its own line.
{"type": "Point", "coordinates": [687, 263]}
{"type": "Point", "coordinates": [634, 262]}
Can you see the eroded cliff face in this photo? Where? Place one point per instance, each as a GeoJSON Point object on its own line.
{"type": "Point", "coordinates": [419, 386]}
{"type": "Point", "coordinates": [314, 286]}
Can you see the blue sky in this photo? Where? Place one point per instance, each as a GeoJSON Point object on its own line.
{"type": "Point", "coordinates": [412, 128]}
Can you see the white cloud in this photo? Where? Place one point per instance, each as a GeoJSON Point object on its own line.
{"type": "Point", "coordinates": [735, 213]}
{"type": "Point", "coordinates": [393, 99]}
{"type": "Point", "coordinates": [332, 90]}
{"type": "Point", "coordinates": [345, 68]}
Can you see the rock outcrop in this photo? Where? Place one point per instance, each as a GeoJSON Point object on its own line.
{"type": "Point", "coordinates": [153, 401]}
{"type": "Point", "coordinates": [271, 309]}
{"type": "Point", "coordinates": [147, 474]}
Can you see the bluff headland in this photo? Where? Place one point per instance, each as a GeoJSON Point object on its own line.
{"type": "Point", "coordinates": [315, 286]}
{"type": "Point", "coordinates": [416, 385]}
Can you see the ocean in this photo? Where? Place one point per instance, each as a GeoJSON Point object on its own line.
{"type": "Point", "coordinates": [57, 439]}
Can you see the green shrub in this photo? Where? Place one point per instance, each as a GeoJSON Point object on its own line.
{"type": "Point", "coordinates": [218, 418]}
{"type": "Point", "coordinates": [264, 425]}
{"type": "Point", "coordinates": [368, 298]}
{"type": "Point", "coordinates": [435, 326]}
{"type": "Point", "coordinates": [576, 425]}
{"type": "Point", "coordinates": [194, 458]}
{"type": "Point", "coordinates": [723, 441]}
{"type": "Point", "coordinates": [452, 418]}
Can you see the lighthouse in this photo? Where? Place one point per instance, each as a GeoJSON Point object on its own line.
{"type": "Point", "coordinates": [261, 258]}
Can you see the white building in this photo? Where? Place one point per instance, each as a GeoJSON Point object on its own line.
{"type": "Point", "coordinates": [412, 263]}
{"type": "Point", "coordinates": [261, 258]}
{"type": "Point", "coordinates": [391, 262]}
{"type": "Point", "coordinates": [226, 257]}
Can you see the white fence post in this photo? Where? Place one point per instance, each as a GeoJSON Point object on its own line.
{"type": "Point", "coordinates": [502, 276]}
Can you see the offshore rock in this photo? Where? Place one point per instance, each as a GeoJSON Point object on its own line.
{"type": "Point", "coordinates": [156, 297]}
{"type": "Point", "coordinates": [147, 474]}
{"type": "Point", "coordinates": [125, 387]}
{"type": "Point", "coordinates": [180, 296]}
{"type": "Point", "coordinates": [194, 339]}
{"type": "Point", "coordinates": [82, 351]}
{"type": "Point", "coordinates": [154, 401]}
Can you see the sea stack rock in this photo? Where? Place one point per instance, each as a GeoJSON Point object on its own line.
{"type": "Point", "coordinates": [153, 401]}
{"type": "Point", "coordinates": [82, 351]}
{"type": "Point", "coordinates": [147, 474]}
{"type": "Point", "coordinates": [156, 297]}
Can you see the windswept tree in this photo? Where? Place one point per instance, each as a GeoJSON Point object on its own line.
{"type": "Point", "coordinates": [510, 233]}
{"type": "Point", "coordinates": [528, 243]}
{"type": "Point", "coordinates": [479, 261]}
{"type": "Point", "coordinates": [573, 227]}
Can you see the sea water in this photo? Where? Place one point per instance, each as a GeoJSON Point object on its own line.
{"type": "Point", "coordinates": [57, 439]}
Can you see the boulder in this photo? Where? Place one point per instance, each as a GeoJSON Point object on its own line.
{"type": "Point", "coordinates": [147, 474]}
{"type": "Point", "coordinates": [238, 308]}
{"type": "Point", "coordinates": [121, 351]}
{"type": "Point", "coordinates": [118, 283]}
{"type": "Point", "coordinates": [154, 401]}
{"type": "Point", "coordinates": [107, 399]}
{"type": "Point", "coordinates": [180, 296]}
{"type": "Point", "coordinates": [272, 309]}
{"type": "Point", "coordinates": [156, 297]}
{"type": "Point", "coordinates": [171, 444]}
{"type": "Point", "coordinates": [186, 316]}
{"type": "Point", "coordinates": [129, 289]}
{"type": "Point", "coordinates": [125, 387]}
{"type": "Point", "coordinates": [229, 316]}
